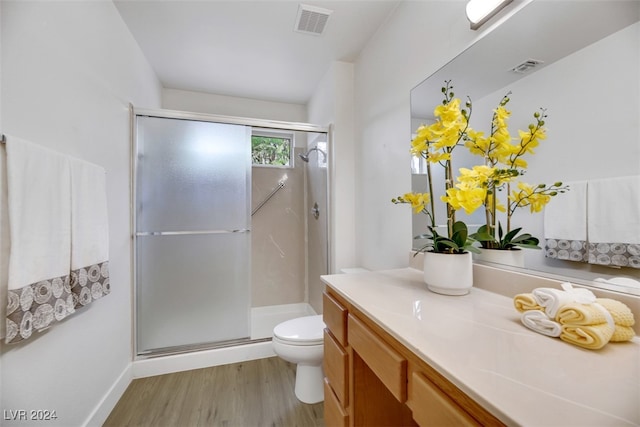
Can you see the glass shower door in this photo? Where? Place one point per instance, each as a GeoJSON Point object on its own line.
{"type": "Point", "coordinates": [192, 238]}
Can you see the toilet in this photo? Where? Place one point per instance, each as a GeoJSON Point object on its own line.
{"type": "Point", "coordinates": [300, 341]}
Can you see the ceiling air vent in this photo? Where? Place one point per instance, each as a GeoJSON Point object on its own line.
{"type": "Point", "coordinates": [311, 19]}
{"type": "Point", "coordinates": [526, 66]}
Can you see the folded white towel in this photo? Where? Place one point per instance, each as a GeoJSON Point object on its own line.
{"type": "Point", "coordinates": [551, 299]}
{"type": "Point", "coordinates": [566, 235]}
{"type": "Point", "coordinates": [538, 321]}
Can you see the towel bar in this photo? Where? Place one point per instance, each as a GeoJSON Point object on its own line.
{"type": "Point", "coordinates": [266, 199]}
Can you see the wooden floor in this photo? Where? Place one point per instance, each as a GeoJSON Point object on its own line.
{"type": "Point", "coordinates": [246, 394]}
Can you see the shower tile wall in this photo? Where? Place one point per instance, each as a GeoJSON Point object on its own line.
{"type": "Point", "coordinates": [317, 228]}
{"type": "Point", "coordinates": [278, 237]}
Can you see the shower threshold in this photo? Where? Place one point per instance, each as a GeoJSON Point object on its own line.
{"type": "Point", "coordinates": [263, 320]}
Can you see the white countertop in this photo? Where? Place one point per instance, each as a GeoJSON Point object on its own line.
{"type": "Point", "coordinates": [478, 343]}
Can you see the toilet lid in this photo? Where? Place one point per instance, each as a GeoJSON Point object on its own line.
{"type": "Point", "coordinates": [302, 330]}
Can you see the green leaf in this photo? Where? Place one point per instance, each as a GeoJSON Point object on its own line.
{"type": "Point", "coordinates": [510, 235]}
{"type": "Point", "coordinates": [472, 248]}
{"type": "Point", "coordinates": [482, 237]}
{"type": "Point", "coordinates": [527, 245]}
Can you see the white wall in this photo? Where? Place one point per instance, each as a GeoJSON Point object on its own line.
{"type": "Point", "coordinates": [333, 104]}
{"type": "Point", "coordinates": [69, 70]}
{"type": "Point", "coordinates": [417, 40]}
{"type": "Point", "coordinates": [199, 102]}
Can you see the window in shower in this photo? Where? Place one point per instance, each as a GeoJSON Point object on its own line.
{"type": "Point", "coordinates": [269, 148]}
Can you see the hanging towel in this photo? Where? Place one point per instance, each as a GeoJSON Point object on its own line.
{"type": "Point", "coordinates": [89, 232]}
{"type": "Point", "coordinates": [614, 221]}
{"type": "Point", "coordinates": [565, 224]}
{"type": "Point", "coordinates": [4, 239]}
{"type": "Point", "coordinates": [39, 201]}
{"type": "Point", "coordinates": [538, 321]}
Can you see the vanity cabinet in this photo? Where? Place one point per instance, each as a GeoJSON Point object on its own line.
{"type": "Point", "coordinates": [336, 363]}
{"type": "Point", "coordinates": [372, 379]}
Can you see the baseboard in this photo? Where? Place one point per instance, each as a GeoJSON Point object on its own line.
{"type": "Point", "coordinates": [110, 399]}
{"type": "Point", "coordinates": [201, 359]}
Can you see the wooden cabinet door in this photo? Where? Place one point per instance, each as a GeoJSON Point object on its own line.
{"type": "Point", "coordinates": [432, 407]}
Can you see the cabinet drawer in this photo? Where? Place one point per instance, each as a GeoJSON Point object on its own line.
{"type": "Point", "coordinates": [432, 407]}
{"type": "Point", "coordinates": [388, 365]}
{"type": "Point", "coordinates": [334, 413]}
{"type": "Point", "coordinates": [334, 315]}
{"type": "Point", "coordinates": [336, 364]}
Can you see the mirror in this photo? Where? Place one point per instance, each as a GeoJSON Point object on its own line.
{"type": "Point", "coordinates": [588, 82]}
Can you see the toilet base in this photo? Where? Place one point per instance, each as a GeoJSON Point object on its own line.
{"type": "Point", "coordinates": [309, 383]}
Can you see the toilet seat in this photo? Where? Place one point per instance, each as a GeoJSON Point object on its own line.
{"type": "Point", "coordinates": [306, 330]}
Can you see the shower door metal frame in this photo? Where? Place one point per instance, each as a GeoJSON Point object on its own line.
{"type": "Point", "coordinates": [134, 113]}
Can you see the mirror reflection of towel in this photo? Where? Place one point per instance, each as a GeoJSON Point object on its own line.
{"type": "Point", "coordinates": [89, 232]}
{"type": "Point", "coordinates": [613, 207]}
{"type": "Point", "coordinates": [565, 224]}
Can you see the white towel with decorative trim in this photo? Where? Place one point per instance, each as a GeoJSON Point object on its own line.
{"type": "Point", "coordinates": [565, 224]}
{"type": "Point", "coordinates": [614, 221]}
{"type": "Point", "coordinates": [39, 201]}
{"type": "Point", "coordinates": [58, 257]}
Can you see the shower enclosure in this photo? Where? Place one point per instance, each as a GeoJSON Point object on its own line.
{"type": "Point", "coordinates": [206, 273]}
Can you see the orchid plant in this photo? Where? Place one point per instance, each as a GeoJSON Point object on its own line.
{"type": "Point", "coordinates": [503, 164]}
{"type": "Point", "coordinates": [479, 186]}
{"type": "Point", "coordinates": [436, 143]}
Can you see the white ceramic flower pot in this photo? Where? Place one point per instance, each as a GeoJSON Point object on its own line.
{"type": "Point", "coordinates": [511, 257]}
{"type": "Point", "coordinates": [448, 274]}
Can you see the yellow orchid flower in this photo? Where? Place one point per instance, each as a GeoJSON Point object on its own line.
{"type": "Point", "coordinates": [417, 200]}
{"type": "Point", "coordinates": [438, 156]}
{"type": "Point", "coordinates": [527, 196]}
{"type": "Point", "coordinates": [499, 206]}
{"type": "Point", "coordinates": [480, 185]}
{"type": "Point", "coordinates": [467, 199]}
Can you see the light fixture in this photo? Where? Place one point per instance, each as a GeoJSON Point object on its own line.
{"type": "Point", "coordinates": [480, 11]}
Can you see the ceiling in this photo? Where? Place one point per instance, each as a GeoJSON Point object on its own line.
{"type": "Point", "coordinates": [248, 48]}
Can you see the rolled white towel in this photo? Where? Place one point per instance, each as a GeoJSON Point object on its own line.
{"type": "Point", "coordinates": [552, 299]}
{"type": "Point", "coordinates": [539, 322]}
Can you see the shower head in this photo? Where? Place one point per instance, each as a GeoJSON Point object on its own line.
{"type": "Point", "coordinates": [305, 156]}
